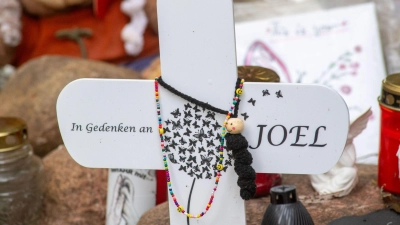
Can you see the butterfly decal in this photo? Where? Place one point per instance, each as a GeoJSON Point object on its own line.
{"type": "Point", "coordinates": [210, 133]}
{"type": "Point", "coordinates": [265, 92]}
{"type": "Point", "coordinates": [167, 122]}
{"type": "Point", "coordinates": [166, 148]}
{"type": "Point", "coordinates": [187, 114]}
{"type": "Point", "coordinates": [172, 159]}
{"type": "Point", "coordinates": [208, 176]}
{"type": "Point", "coordinates": [211, 152]}
{"type": "Point", "coordinates": [195, 124]}
{"type": "Point", "coordinates": [200, 135]}
{"type": "Point", "coordinates": [187, 106]}
{"type": "Point", "coordinates": [245, 116]}
{"type": "Point", "coordinates": [230, 156]}
{"type": "Point", "coordinates": [182, 168]}
{"type": "Point", "coordinates": [187, 133]}
{"type": "Point", "coordinates": [279, 94]}
{"type": "Point", "coordinates": [176, 134]}
{"type": "Point", "coordinates": [182, 159]}
{"type": "Point", "coordinates": [191, 150]}
{"type": "Point", "coordinates": [199, 176]}
{"type": "Point", "coordinates": [192, 142]}
{"type": "Point", "coordinates": [206, 123]}
{"type": "Point", "coordinates": [182, 150]}
{"type": "Point", "coordinates": [196, 109]}
{"type": "Point", "coordinates": [252, 101]}
{"type": "Point", "coordinates": [166, 138]}
{"type": "Point", "coordinates": [176, 113]}
{"type": "Point", "coordinates": [201, 149]}
{"type": "Point", "coordinates": [176, 125]}
{"type": "Point", "coordinates": [191, 173]}
{"type": "Point", "coordinates": [166, 130]}
{"type": "Point", "coordinates": [210, 115]}
{"type": "Point", "coordinates": [228, 162]}
{"type": "Point", "coordinates": [196, 168]}
{"type": "Point", "coordinates": [205, 160]}
{"type": "Point", "coordinates": [192, 158]}
{"type": "Point", "coordinates": [186, 122]}
{"type": "Point", "coordinates": [205, 169]}
{"type": "Point", "coordinates": [216, 125]}
{"type": "Point", "coordinates": [182, 141]}
{"type": "Point", "coordinates": [173, 144]}
{"type": "Point", "coordinates": [189, 164]}
{"type": "Point", "coordinates": [197, 116]}
{"type": "Point", "coordinates": [219, 137]}
{"type": "Point", "coordinates": [210, 143]}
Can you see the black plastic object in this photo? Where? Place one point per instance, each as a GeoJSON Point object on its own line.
{"type": "Point", "coordinates": [285, 209]}
{"type": "Point", "coordinates": [384, 216]}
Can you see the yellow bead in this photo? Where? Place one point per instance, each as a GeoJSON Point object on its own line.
{"type": "Point", "coordinates": [198, 216]}
{"type": "Point", "coordinates": [161, 130]}
{"type": "Point", "coordinates": [220, 167]}
{"type": "Point", "coordinates": [188, 215]}
{"type": "Point", "coordinates": [239, 91]}
{"type": "Point", "coordinates": [180, 208]}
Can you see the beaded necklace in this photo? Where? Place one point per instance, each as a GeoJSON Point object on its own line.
{"type": "Point", "coordinates": [220, 166]}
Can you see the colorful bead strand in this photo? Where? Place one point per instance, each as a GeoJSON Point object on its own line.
{"type": "Point", "coordinates": [221, 151]}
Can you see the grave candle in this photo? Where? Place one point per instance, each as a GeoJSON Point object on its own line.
{"type": "Point", "coordinates": [389, 155]}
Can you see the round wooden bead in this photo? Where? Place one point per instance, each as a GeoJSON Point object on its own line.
{"type": "Point", "coordinates": [235, 126]}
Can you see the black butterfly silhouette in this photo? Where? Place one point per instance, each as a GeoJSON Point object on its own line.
{"type": "Point", "coordinates": [265, 92]}
{"type": "Point", "coordinates": [166, 148]}
{"type": "Point", "coordinates": [197, 116]}
{"type": "Point", "coordinates": [216, 125]}
{"type": "Point", "coordinates": [192, 142]}
{"type": "Point", "coordinates": [168, 122]}
{"type": "Point", "coordinates": [206, 123]}
{"type": "Point", "coordinates": [182, 168]}
{"type": "Point", "coordinates": [210, 152]}
{"type": "Point", "coordinates": [210, 143]}
{"type": "Point", "coordinates": [230, 156]}
{"type": "Point", "coordinates": [201, 149]}
{"type": "Point", "coordinates": [200, 135]}
{"type": "Point", "coordinates": [279, 94]}
{"type": "Point", "coordinates": [208, 176]}
{"type": "Point", "coordinates": [173, 144]}
{"type": "Point", "coordinates": [182, 141]}
{"type": "Point", "coordinates": [186, 122]}
{"type": "Point", "coordinates": [218, 137]}
{"type": "Point", "coordinates": [252, 101]}
{"type": "Point", "coordinates": [191, 150]}
{"type": "Point", "coordinates": [189, 164]}
{"type": "Point", "coordinates": [172, 159]}
{"type": "Point", "coordinates": [245, 116]}
{"type": "Point", "coordinates": [196, 109]}
{"type": "Point", "coordinates": [211, 115]}
{"type": "Point", "coordinates": [187, 106]}
{"type": "Point", "coordinates": [199, 176]}
{"type": "Point", "coordinates": [176, 134]}
{"type": "Point", "coordinates": [192, 158]}
{"type": "Point", "coordinates": [176, 125]}
{"type": "Point", "coordinates": [205, 160]}
{"type": "Point", "coordinates": [187, 133]}
{"type": "Point", "coordinates": [176, 113]}
{"type": "Point", "coordinates": [182, 150]}
{"type": "Point", "coordinates": [210, 133]}
{"type": "Point", "coordinates": [228, 162]}
{"type": "Point", "coordinates": [166, 138]}
{"type": "Point", "coordinates": [187, 114]}
{"type": "Point", "coordinates": [196, 168]}
{"type": "Point", "coordinates": [195, 124]}
{"type": "Point", "coordinates": [191, 173]}
{"type": "Point", "coordinates": [205, 169]}
{"type": "Point", "coordinates": [166, 130]}
{"type": "Point", "coordinates": [182, 158]}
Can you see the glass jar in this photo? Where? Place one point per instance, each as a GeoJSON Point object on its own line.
{"type": "Point", "coordinates": [21, 175]}
{"type": "Point", "coordinates": [389, 153]}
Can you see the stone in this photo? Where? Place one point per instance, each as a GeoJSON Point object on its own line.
{"type": "Point", "coordinates": [31, 94]}
{"type": "Point", "coordinates": [74, 194]}
{"type": "Point", "coordinates": [364, 198]}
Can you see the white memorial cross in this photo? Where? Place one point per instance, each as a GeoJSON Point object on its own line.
{"type": "Point", "coordinates": [291, 128]}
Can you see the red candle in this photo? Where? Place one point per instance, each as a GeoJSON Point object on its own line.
{"type": "Point", "coordinates": [389, 154]}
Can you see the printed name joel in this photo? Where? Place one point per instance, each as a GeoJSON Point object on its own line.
{"type": "Point", "coordinates": [90, 127]}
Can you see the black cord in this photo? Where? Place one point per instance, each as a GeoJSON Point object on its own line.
{"type": "Point", "coordinates": [190, 196]}
{"type": "Point", "coordinates": [197, 102]}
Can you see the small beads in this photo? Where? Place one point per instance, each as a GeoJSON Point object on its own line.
{"type": "Point", "coordinates": [219, 167]}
